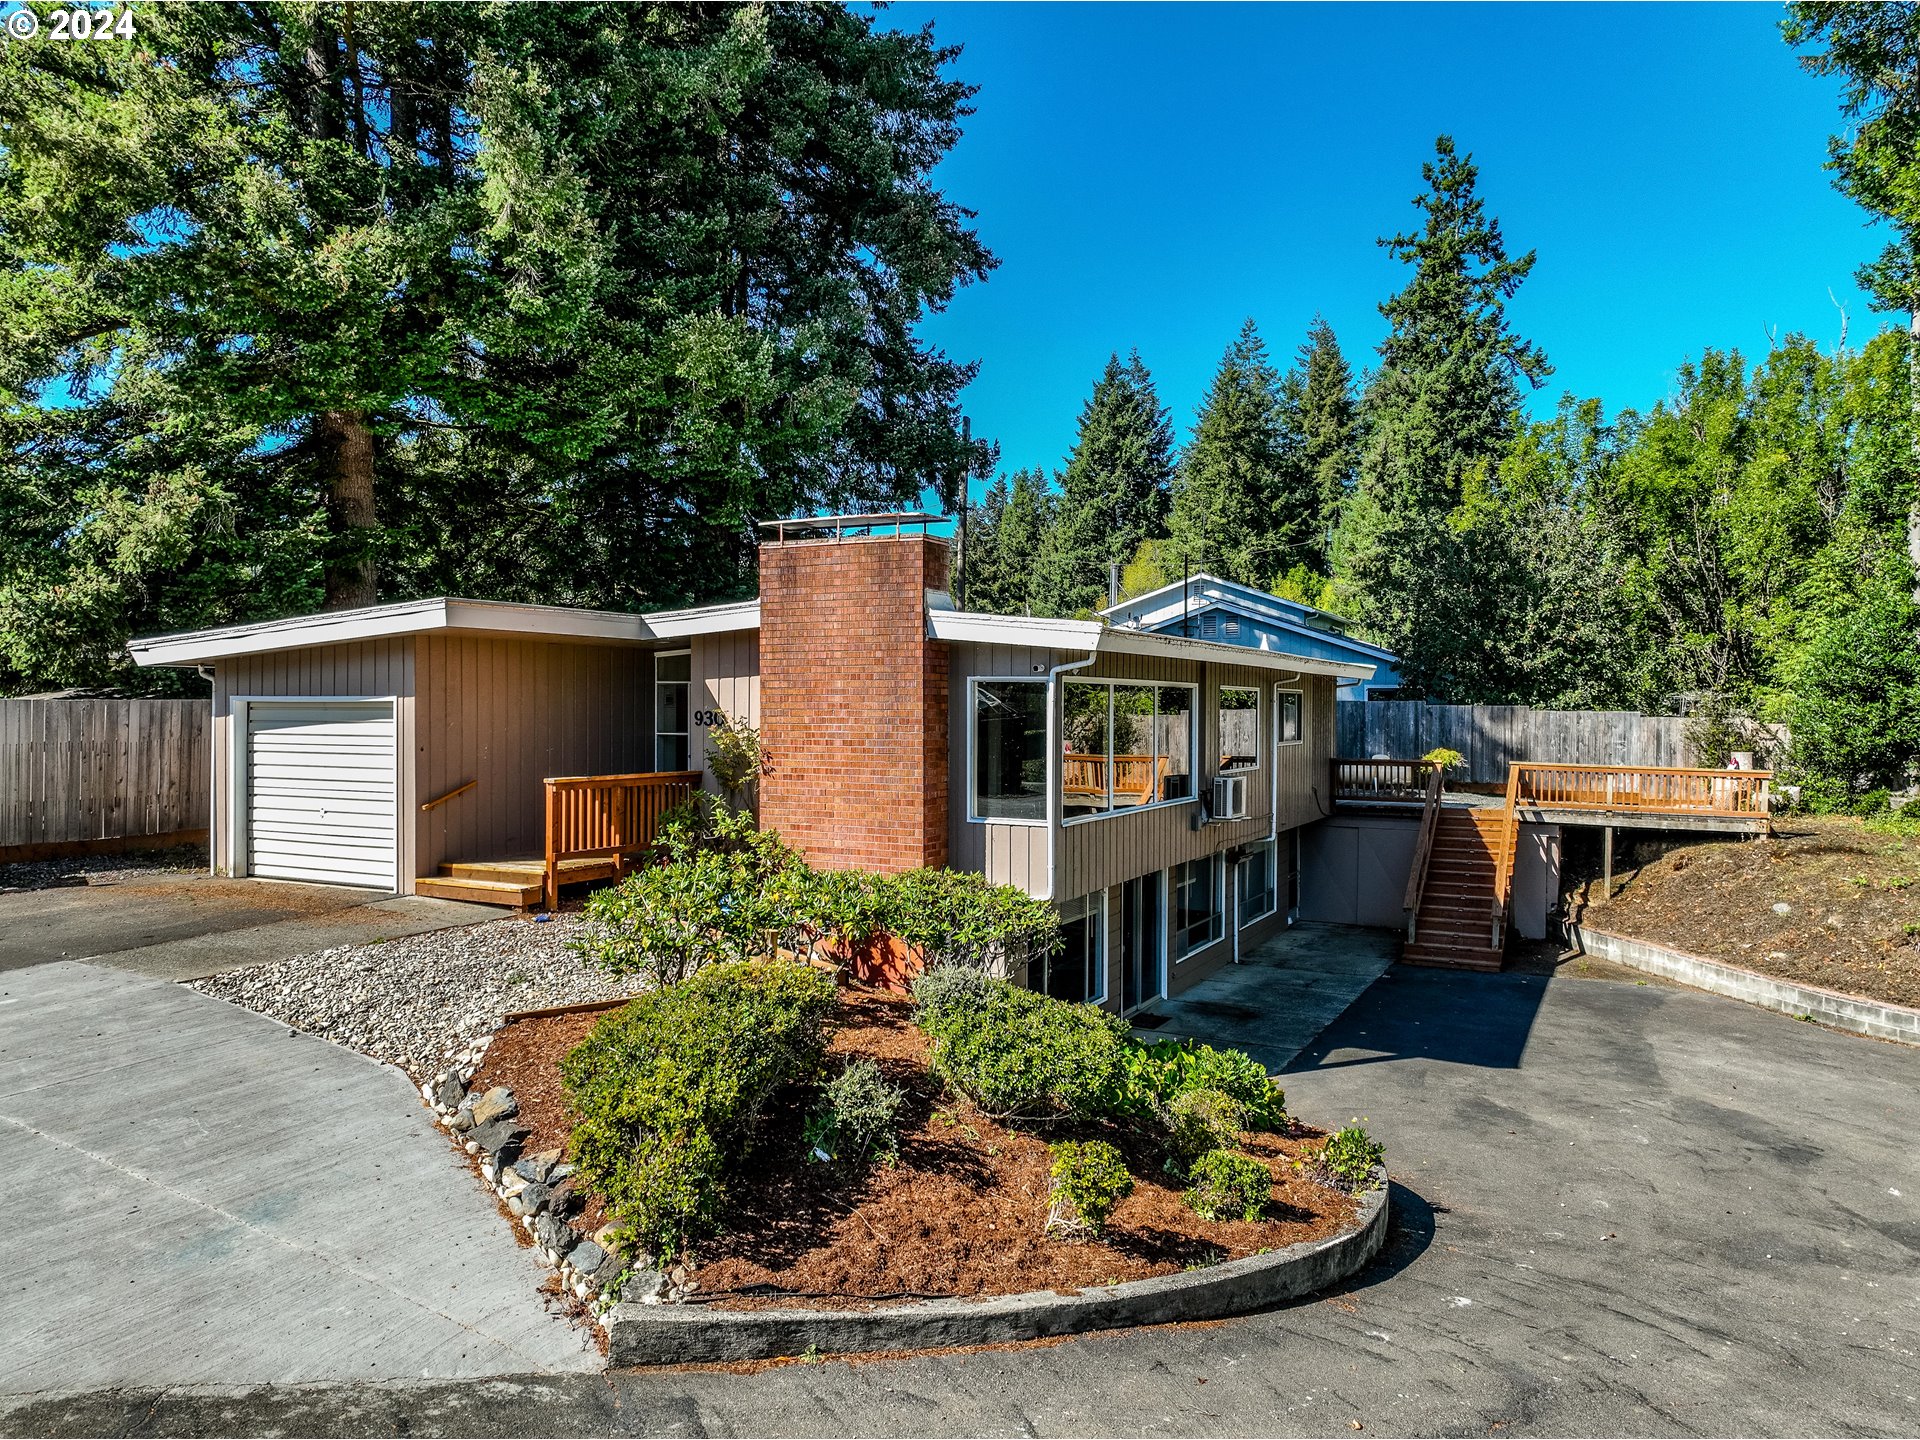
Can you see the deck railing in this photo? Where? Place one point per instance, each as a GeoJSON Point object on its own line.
{"type": "Point", "coordinates": [1642, 790]}
{"type": "Point", "coordinates": [1402, 780]}
{"type": "Point", "coordinates": [1140, 778]}
{"type": "Point", "coordinates": [608, 816]}
{"type": "Point", "coordinates": [1423, 849]}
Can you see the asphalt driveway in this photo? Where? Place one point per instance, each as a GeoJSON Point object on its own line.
{"type": "Point", "coordinates": [181, 925]}
{"type": "Point", "coordinates": [1621, 1209]}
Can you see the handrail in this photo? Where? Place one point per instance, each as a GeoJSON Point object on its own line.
{"type": "Point", "coordinates": [1423, 849]}
{"type": "Point", "coordinates": [1503, 859]}
{"type": "Point", "coordinates": [439, 800]}
{"type": "Point", "coordinates": [1642, 789]}
{"type": "Point", "coordinates": [614, 816]}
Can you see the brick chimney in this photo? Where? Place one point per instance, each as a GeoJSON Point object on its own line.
{"type": "Point", "coordinates": [853, 700]}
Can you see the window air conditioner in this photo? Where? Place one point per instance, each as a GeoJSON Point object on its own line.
{"type": "Point", "coordinates": [1229, 797]}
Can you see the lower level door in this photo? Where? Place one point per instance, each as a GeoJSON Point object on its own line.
{"type": "Point", "coordinates": [1142, 947]}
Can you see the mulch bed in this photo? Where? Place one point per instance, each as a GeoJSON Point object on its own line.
{"type": "Point", "coordinates": [1851, 894]}
{"type": "Point", "coordinates": [961, 1213]}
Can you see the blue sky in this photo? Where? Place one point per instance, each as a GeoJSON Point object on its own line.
{"type": "Point", "coordinates": [1150, 174]}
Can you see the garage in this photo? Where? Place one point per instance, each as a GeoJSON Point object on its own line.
{"type": "Point", "coordinates": [320, 797]}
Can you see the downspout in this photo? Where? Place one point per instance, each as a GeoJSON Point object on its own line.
{"type": "Point", "coordinates": [1273, 799]}
{"type": "Point", "coordinates": [206, 673]}
{"type": "Point", "coordinates": [1055, 811]}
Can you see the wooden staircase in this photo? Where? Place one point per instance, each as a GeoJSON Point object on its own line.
{"type": "Point", "coordinates": [519, 883]}
{"type": "Point", "coordinates": [1454, 923]}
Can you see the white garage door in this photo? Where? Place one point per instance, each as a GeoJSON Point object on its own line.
{"type": "Point", "coordinates": [320, 791]}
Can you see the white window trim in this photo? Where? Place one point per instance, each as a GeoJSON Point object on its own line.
{"type": "Point", "coordinates": [1193, 748]}
{"type": "Point", "coordinates": [686, 734]}
{"type": "Point", "coordinates": [1053, 772]}
{"type": "Point", "coordinates": [1272, 848]}
{"type": "Point", "coordinates": [1278, 711]}
{"type": "Point", "coordinates": [1254, 690]}
{"type": "Point", "coordinates": [240, 788]}
{"type": "Point", "coordinates": [1219, 906]}
{"type": "Point", "coordinates": [1099, 998]}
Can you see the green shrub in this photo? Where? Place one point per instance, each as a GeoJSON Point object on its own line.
{"type": "Point", "coordinates": [958, 917]}
{"type": "Point", "coordinates": [1227, 1186]}
{"type": "Point", "coordinates": [1154, 1076]}
{"type": "Point", "coordinates": [1203, 1120]}
{"type": "Point", "coordinates": [858, 1118]}
{"type": "Point", "coordinates": [668, 1089]}
{"type": "Point", "coordinates": [1348, 1157]}
{"type": "Point", "coordinates": [1088, 1180]}
{"type": "Point", "coordinates": [733, 756]}
{"type": "Point", "coordinates": [1016, 1052]}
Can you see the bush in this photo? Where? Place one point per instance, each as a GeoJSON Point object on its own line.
{"type": "Point", "coordinates": [957, 917]}
{"type": "Point", "coordinates": [1203, 1120]}
{"type": "Point", "coordinates": [1016, 1052]}
{"type": "Point", "coordinates": [1088, 1180]}
{"type": "Point", "coordinates": [669, 1089]}
{"type": "Point", "coordinates": [1154, 1076]}
{"type": "Point", "coordinates": [1348, 1157]}
{"type": "Point", "coordinates": [858, 1118]}
{"type": "Point", "coordinates": [733, 756]}
{"type": "Point", "coordinates": [1226, 1186]}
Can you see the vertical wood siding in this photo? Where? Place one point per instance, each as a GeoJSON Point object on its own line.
{"type": "Point", "coordinates": [726, 677]}
{"type": "Point", "coordinates": [364, 669]}
{"type": "Point", "coordinates": [510, 713]}
{"type": "Point", "coordinates": [78, 770]}
{"type": "Point", "coordinates": [1005, 854]}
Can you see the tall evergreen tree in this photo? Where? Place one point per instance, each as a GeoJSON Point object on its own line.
{"type": "Point", "coordinates": [1441, 410]}
{"type": "Point", "coordinates": [1242, 507]}
{"type": "Point", "coordinates": [1329, 434]}
{"type": "Point", "coordinates": [1114, 492]}
{"type": "Point", "coordinates": [1004, 533]}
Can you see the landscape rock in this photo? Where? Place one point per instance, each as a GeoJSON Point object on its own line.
{"type": "Point", "coordinates": [559, 1172]}
{"type": "Point", "coordinates": [502, 1138]}
{"type": "Point", "coordinates": [554, 1235]}
{"type": "Point", "coordinates": [497, 1104]}
{"type": "Point", "coordinates": [538, 1167]}
{"type": "Point", "coordinates": [449, 1092]}
{"type": "Point", "coordinates": [586, 1257]}
{"type": "Point", "coordinates": [535, 1198]}
{"type": "Point", "coordinates": [644, 1285]}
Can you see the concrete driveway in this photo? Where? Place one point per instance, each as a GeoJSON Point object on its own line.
{"type": "Point", "coordinates": [1621, 1210]}
{"type": "Point", "coordinates": [181, 925]}
{"type": "Point", "coordinates": [197, 1195]}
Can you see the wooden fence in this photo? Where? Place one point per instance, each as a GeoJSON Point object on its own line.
{"type": "Point", "coordinates": [1492, 737]}
{"type": "Point", "coordinates": [79, 775]}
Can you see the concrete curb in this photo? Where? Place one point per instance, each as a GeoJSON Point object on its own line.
{"type": "Point", "coordinates": [1844, 1012]}
{"type": "Point", "coordinates": [681, 1334]}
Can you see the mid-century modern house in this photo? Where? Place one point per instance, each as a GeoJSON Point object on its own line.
{"type": "Point", "coordinates": [1205, 607]}
{"type": "Point", "coordinates": [1153, 785]}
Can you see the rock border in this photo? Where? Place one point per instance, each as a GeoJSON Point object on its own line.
{"type": "Point", "coordinates": [643, 1334]}
{"type": "Point", "coordinates": [1877, 1019]}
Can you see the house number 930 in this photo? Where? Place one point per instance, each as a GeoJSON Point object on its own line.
{"type": "Point", "coordinates": [706, 719]}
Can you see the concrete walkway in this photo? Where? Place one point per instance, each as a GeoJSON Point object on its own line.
{"type": "Point", "coordinates": [183, 925]}
{"type": "Point", "coordinates": [1281, 995]}
{"type": "Point", "coordinates": [196, 1195]}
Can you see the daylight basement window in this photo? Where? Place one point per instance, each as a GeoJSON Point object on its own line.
{"type": "Point", "coordinates": [672, 675]}
{"type": "Point", "coordinates": [1197, 921]}
{"type": "Point", "coordinates": [1009, 751]}
{"type": "Point", "coordinates": [1125, 746]}
{"type": "Point", "coordinates": [1287, 707]}
{"type": "Point", "coordinates": [1077, 970]}
{"type": "Point", "coordinates": [1258, 895]}
{"type": "Point", "coordinates": [1239, 728]}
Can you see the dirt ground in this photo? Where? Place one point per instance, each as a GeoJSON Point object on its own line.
{"type": "Point", "coordinates": [1851, 898]}
{"type": "Point", "coordinates": [961, 1212]}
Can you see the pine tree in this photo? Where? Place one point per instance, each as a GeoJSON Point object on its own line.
{"type": "Point", "coordinates": [1329, 433]}
{"type": "Point", "coordinates": [1004, 533]}
{"type": "Point", "coordinates": [1241, 507]}
{"type": "Point", "coordinates": [1114, 493]}
{"type": "Point", "coordinates": [1441, 411]}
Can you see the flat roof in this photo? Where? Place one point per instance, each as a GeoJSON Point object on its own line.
{"type": "Point", "coordinates": [483, 618]}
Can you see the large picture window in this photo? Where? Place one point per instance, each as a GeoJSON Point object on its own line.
{"type": "Point", "coordinates": [672, 675]}
{"type": "Point", "coordinates": [1124, 746]}
{"type": "Point", "coordinates": [1258, 894]}
{"type": "Point", "coordinates": [1239, 728]}
{"type": "Point", "coordinates": [1077, 971]}
{"type": "Point", "coordinates": [1287, 707]}
{"type": "Point", "coordinates": [1010, 750]}
{"type": "Point", "coordinates": [1197, 921]}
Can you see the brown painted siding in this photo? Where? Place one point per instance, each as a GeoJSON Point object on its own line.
{"type": "Point", "coordinates": [510, 713]}
{"type": "Point", "coordinates": [367, 668]}
{"type": "Point", "coordinates": [1005, 854]}
{"type": "Point", "coordinates": [726, 677]}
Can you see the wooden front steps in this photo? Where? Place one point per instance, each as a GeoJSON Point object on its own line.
{"type": "Point", "coordinates": [519, 883]}
{"type": "Point", "coordinates": [1454, 925]}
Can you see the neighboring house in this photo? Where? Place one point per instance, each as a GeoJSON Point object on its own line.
{"type": "Point", "coordinates": [1205, 607]}
{"type": "Point", "coordinates": [1154, 786]}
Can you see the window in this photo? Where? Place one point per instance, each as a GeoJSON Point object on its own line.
{"type": "Point", "coordinates": [1196, 905]}
{"type": "Point", "coordinates": [1124, 746]}
{"type": "Point", "coordinates": [672, 673]}
{"type": "Point", "coordinates": [1010, 750]}
{"type": "Point", "coordinates": [1257, 893]}
{"type": "Point", "coordinates": [1077, 971]}
{"type": "Point", "coordinates": [1239, 728]}
{"type": "Point", "coordinates": [1288, 703]}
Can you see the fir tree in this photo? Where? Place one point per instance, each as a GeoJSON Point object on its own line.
{"type": "Point", "coordinates": [1114, 493]}
{"type": "Point", "coordinates": [1004, 533]}
{"type": "Point", "coordinates": [1329, 433]}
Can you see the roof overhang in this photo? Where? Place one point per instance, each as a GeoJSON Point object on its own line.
{"type": "Point", "coordinates": [1097, 639]}
{"type": "Point", "coordinates": [482, 619]}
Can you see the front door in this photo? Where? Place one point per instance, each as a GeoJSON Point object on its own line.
{"type": "Point", "coordinates": [1142, 948]}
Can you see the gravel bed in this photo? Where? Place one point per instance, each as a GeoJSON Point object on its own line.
{"type": "Point", "coordinates": [47, 874]}
{"type": "Point", "coordinates": [419, 1000]}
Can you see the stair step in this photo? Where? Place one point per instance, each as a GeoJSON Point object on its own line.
{"type": "Point", "coordinates": [1487, 961]}
{"type": "Point", "coordinates": [505, 872]}
{"type": "Point", "coordinates": [482, 892]}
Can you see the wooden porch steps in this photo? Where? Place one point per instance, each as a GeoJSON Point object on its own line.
{"type": "Point", "coordinates": [1454, 924]}
{"type": "Point", "coordinates": [479, 892]}
{"type": "Point", "coordinates": [518, 882]}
